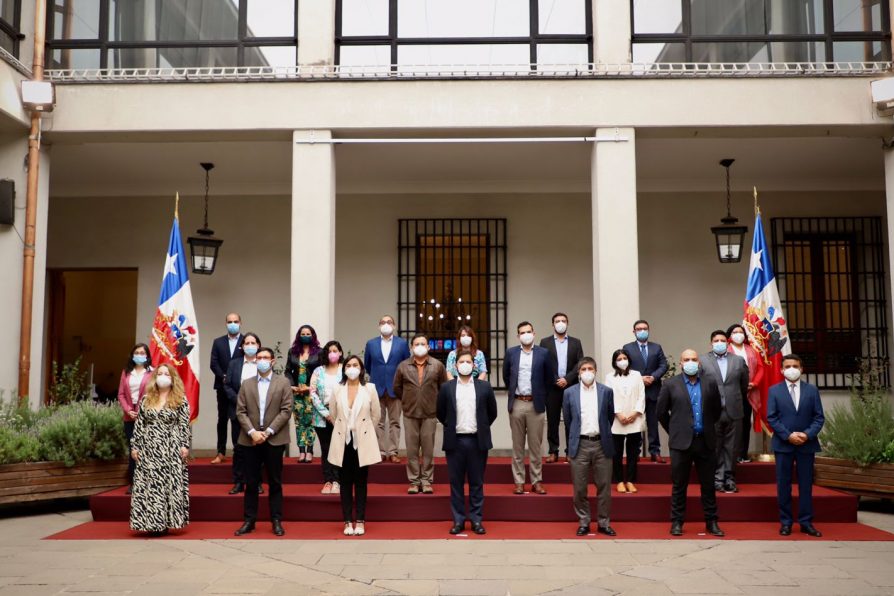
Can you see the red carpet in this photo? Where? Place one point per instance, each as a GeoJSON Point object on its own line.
{"type": "Point", "coordinates": [495, 531]}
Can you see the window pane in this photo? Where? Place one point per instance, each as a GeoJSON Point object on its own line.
{"type": "Point", "coordinates": [172, 57]}
{"type": "Point", "coordinates": [562, 53]}
{"type": "Point", "coordinates": [76, 19]}
{"type": "Point", "coordinates": [74, 59]}
{"type": "Point", "coordinates": [730, 52]}
{"type": "Point", "coordinates": [270, 18]}
{"type": "Point", "coordinates": [270, 56]}
{"type": "Point", "coordinates": [364, 17]}
{"type": "Point", "coordinates": [657, 16]}
{"type": "Point", "coordinates": [795, 16]}
{"type": "Point", "coordinates": [562, 16]}
{"type": "Point", "coordinates": [857, 15]}
{"type": "Point", "coordinates": [478, 57]}
{"type": "Point", "coordinates": [8, 11]}
{"type": "Point", "coordinates": [463, 18]}
{"type": "Point", "coordinates": [7, 43]}
{"type": "Point", "coordinates": [728, 17]}
{"type": "Point", "coordinates": [364, 59]}
{"type": "Point", "coordinates": [173, 20]}
{"type": "Point", "coordinates": [650, 53]}
{"type": "Point", "coordinates": [861, 51]}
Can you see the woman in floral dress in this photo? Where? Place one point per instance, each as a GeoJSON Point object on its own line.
{"type": "Point", "coordinates": [304, 358]}
{"type": "Point", "coordinates": [323, 384]}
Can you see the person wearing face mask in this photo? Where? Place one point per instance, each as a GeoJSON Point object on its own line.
{"type": "Point", "coordinates": [304, 358]}
{"type": "Point", "coordinates": [589, 410]}
{"type": "Point", "coordinates": [224, 350]}
{"type": "Point", "coordinates": [323, 383]}
{"type": "Point", "coordinates": [730, 372]}
{"type": "Point", "coordinates": [688, 408]}
{"type": "Point", "coordinates": [564, 352]}
{"type": "Point", "coordinates": [381, 358]}
{"type": "Point", "coordinates": [355, 413]}
{"type": "Point", "coordinates": [630, 405]}
{"type": "Point", "coordinates": [466, 340]}
{"type": "Point", "coordinates": [648, 359]}
{"type": "Point", "coordinates": [795, 413]}
{"type": "Point", "coordinates": [416, 384]}
{"type": "Point", "coordinates": [239, 370]}
{"type": "Point", "coordinates": [264, 405]}
{"type": "Point", "coordinates": [160, 446]}
{"type": "Point", "coordinates": [467, 408]}
{"type": "Point", "coordinates": [528, 373]}
{"type": "Point", "coordinates": [131, 390]}
{"type": "Point", "coordinates": [738, 345]}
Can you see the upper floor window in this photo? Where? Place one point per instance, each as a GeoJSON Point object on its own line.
{"type": "Point", "coordinates": [171, 33]}
{"type": "Point", "coordinates": [427, 36]}
{"type": "Point", "coordinates": [10, 17]}
{"type": "Point", "coordinates": [761, 31]}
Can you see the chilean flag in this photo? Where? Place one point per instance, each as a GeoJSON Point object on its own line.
{"type": "Point", "coordinates": [175, 333]}
{"type": "Point", "coordinates": [764, 323]}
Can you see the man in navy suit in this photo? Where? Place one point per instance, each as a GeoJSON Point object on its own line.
{"type": "Point", "coordinates": [467, 408]}
{"type": "Point", "coordinates": [382, 356]}
{"type": "Point", "coordinates": [528, 373]}
{"type": "Point", "coordinates": [224, 349]}
{"type": "Point", "coordinates": [589, 410]}
{"type": "Point", "coordinates": [647, 358]}
{"type": "Point", "coordinates": [795, 413]}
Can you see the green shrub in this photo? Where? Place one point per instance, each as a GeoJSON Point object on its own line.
{"type": "Point", "coordinates": [69, 384]}
{"type": "Point", "coordinates": [17, 446]}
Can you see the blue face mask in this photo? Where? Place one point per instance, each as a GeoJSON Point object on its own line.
{"type": "Point", "coordinates": [250, 350]}
{"type": "Point", "coordinates": [306, 339]}
{"type": "Point", "coordinates": [642, 335]}
{"type": "Point", "coordinates": [690, 368]}
{"type": "Point", "coordinates": [232, 328]}
{"type": "Point", "coordinates": [139, 359]}
{"type": "Point", "coordinates": [719, 348]}
{"type": "Point", "coordinates": [264, 366]}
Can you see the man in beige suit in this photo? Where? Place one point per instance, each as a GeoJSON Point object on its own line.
{"type": "Point", "coordinates": [263, 408]}
{"type": "Point", "coordinates": [416, 384]}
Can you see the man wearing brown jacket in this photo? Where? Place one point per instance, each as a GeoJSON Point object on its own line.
{"type": "Point", "coordinates": [416, 385]}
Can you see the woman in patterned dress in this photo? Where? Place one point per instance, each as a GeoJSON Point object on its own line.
{"type": "Point", "coordinates": [467, 340]}
{"type": "Point", "coordinates": [160, 447]}
{"type": "Point", "coordinates": [304, 358]}
{"type": "Point", "coordinates": [323, 384]}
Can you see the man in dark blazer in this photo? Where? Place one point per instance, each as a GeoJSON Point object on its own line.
{"type": "Point", "coordinates": [381, 358]}
{"type": "Point", "coordinates": [224, 349]}
{"type": "Point", "coordinates": [565, 352]}
{"type": "Point", "coordinates": [264, 406]}
{"type": "Point", "coordinates": [795, 413]}
{"type": "Point", "coordinates": [730, 372]}
{"type": "Point", "coordinates": [467, 408]}
{"type": "Point", "coordinates": [589, 409]}
{"type": "Point", "coordinates": [688, 408]}
{"type": "Point", "coordinates": [648, 359]}
{"type": "Point", "coordinates": [528, 374]}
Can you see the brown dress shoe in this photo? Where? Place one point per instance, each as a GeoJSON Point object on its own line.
{"type": "Point", "coordinates": [519, 489]}
{"type": "Point", "coordinates": [394, 459]}
{"type": "Point", "coordinates": [219, 459]}
{"type": "Point", "coordinates": [538, 488]}
{"type": "Point", "coordinates": [552, 458]}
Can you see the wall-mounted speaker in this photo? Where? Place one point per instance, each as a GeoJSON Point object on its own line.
{"type": "Point", "coordinates": [7, 202]}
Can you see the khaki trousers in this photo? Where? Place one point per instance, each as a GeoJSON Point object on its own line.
{"type": "Point", "coordinates": [591, 462]}
{"type": "Point", "coordinates": [526, 423]}
{"type": "Point", "coordinates": [389, 443]}
{"type": "Point", "coordinates": [419, 434]}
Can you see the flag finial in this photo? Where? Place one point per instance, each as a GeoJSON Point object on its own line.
{"type": "Point", "coordinates": [177, 205]}
{"type": "Point", "coordinates": [757, 208]}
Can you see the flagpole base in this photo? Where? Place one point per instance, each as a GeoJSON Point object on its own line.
{"type": "Point", "coordinates": [766, 457]}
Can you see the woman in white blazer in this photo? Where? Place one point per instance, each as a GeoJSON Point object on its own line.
{"type": "Point", "coordinates": [630, 404]}
{"type": "Point", "coordinates": [355, 411]}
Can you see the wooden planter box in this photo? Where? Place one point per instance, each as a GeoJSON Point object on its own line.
{"type": "Point", "coordinates": [874, 480]}
{"type": "Point", "coordinates": [40, 481]}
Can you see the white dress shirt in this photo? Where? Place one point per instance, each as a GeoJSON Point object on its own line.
{"type": "Point", "coordinates": [249, 370]}
{"type": "Point", "coordinates": [133, 383]}
{"type": "Point", "coordinates": [386, 347]}
{"type": "Point", "coordinates": [630, 396]}
{"type": "Point", "coordinates": [233, 342]}
{"type": "Point", "coordinates": [466, 418]}
{"type": "Point", "coordinates": [794, 389]}
{"type": "Point", "coordinates": [589, 410]}
{"type": "Point", "coordinates": [525, 364]}
{"type": "Point", "coordinates": [263, 388]}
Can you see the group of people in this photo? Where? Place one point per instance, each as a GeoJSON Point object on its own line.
{"type": "Point", "coordinates": [356, 407]}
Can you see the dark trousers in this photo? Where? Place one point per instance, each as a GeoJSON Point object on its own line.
{"type": "Point", "coordinates": [468, 460]}
{"type": "Point", "coordinates": [728, 437]}
{"type": "Point", "coordinates": [681, 464]}
{"type": "Point", "coordinates": [131, 464]}
{"type": "Point", "coordinates": [258, 457]}
{"type": "Point", "coordinates": [223, 417]}
{"type": "Point", "coordinates": [553, 417]}
{"type": "Point", "coordinates": [238, 450]}
{"type": "Point", "coordinates": [784, 463]}
{"type": "Point", "coordinates": [633, 440]}
{"type": "Point", "coordinates": [745, 437]}
{"type": "Point", "coordinates": [652, 426]}
{"type": "Point", "coordinates": [352, 480]}
{"type": "Point", "coordinates": [330, 471]}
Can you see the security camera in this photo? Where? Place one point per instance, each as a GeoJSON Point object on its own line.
{"type": "Point", "coordinates": [883, 96]}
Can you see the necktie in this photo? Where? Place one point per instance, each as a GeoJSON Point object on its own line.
{"type": "Point", "coordinates": [794, 394]}
{"type": "Point", "coordinates": [644, 352]}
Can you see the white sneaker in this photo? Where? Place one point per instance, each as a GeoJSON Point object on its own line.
{"type": "Point", "coordinates": [359, 530]}
{"type": "Point", "coordinates": [327, 488]}
{"type": "Point", "coordinates": [336, 489]}
{"type": "Point", "coordinates": [349, 531]}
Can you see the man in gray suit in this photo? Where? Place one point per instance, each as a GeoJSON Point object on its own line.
{"type": "Point", "coordinates": [730, 372]}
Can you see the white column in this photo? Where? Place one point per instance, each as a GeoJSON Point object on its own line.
{"type": "Point", "coordinates": [316, 32]}
{"type": "Point", "coordinates": [611, 31]}
{"type": "Point", "coordinates": [889, 204]}
{"type": "Point", "coordinates": [615, 248]}
{"type": "Point", "coordinates": [313, 233]}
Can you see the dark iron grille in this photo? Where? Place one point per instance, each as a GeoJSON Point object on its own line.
{"type": "Point", "coordinates": [452, 272]}
{"type": "Point", "coordinates": [831, 276]}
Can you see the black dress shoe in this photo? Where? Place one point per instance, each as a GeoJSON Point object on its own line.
{"type": "Point", "coordinates": [237, 488]}
{"type": "Point", "coordinates": [607, 530]}
{"type": "Point", "coordinates": [583, 530]}
{"type": "Point", "coordinates": [245, 528]}
{"type": "Point", "coordinates": [478, 528]}
{"type": "Point", "coordinates": [730, 487]}
{"type": "Point", "coordinates": [457, 528]}
{"type": "Point", "coordinates": [713, 529]}
{"type": "Point", "coordinates": [277, 527]}
{"type": "Point", "coordinates": [811, 531]}
{"type": "Point", "coordinates": [718, 487]}
{"type": "Point", "coordinates": [260, 489]}
{"type": "Point", "coordinates": [785, 530]}
{"type": "Point", "coordinates": [676, 529]}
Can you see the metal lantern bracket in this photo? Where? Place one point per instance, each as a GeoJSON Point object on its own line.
{"type": "Point", "coordinates": [204, 247]}
{"type": "Point", "coordinates": [729, 235]}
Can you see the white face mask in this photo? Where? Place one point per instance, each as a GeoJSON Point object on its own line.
{"type": "Point", "coordinates": [792, 374]}
{"type": "Point", "coordinates": [352, 373]}
{"type": "Point", "coordinates": [623, 364]}
{"type": "Point", "coordinates": [464, 368]}
{"type": "Point", "coordinates": [526, 338]}
{"type": "Point", "coordinates": [420, 351]}
{"type": "Point", "coordinates": [588, 377]}
{"type": "Point", "coordinates": [465, 341]}
{"type": "Point", "coordinates": [738, 338]}
{"type": "Point", "coordinates": [386, 329]}
{"type": "Point", "coordinates": [163, 381]}
{"type": "Point", "coordinates": [561, 328]}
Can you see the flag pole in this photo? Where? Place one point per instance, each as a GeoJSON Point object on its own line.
{"type": "Point", "coordinates": [177, 205]}
{"type": "Point", "coordinates": [764, 455]}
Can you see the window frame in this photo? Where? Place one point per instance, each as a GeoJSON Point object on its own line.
{"type": "Point", "coordinates": [13, 30]}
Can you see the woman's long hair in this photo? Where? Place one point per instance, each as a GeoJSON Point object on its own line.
{"type": "Point", "coordinates": [128, 368]}
{"type": "Point", "coordinates": [177, 395]}
{"type": "Point", "coordinates": [298, 347]}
